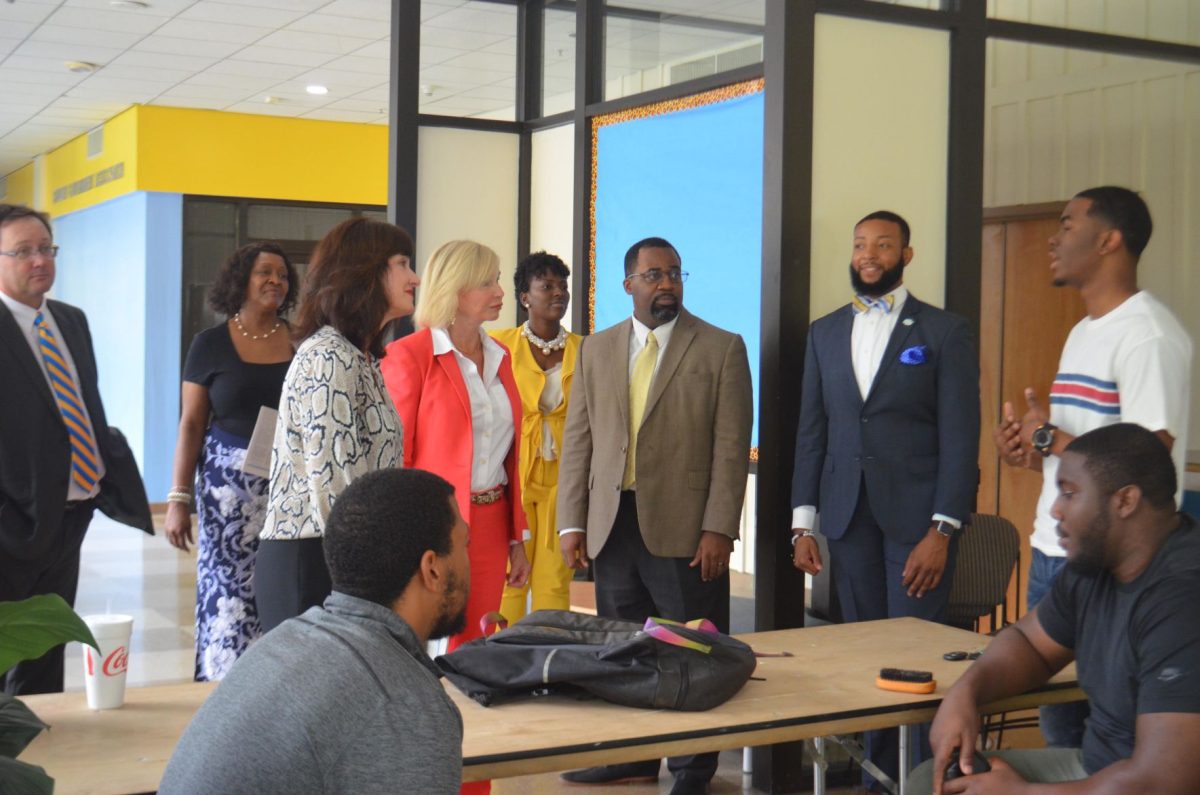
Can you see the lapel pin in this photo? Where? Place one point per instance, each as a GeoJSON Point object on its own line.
{"type": "Point", "coordinates": [908, 321]}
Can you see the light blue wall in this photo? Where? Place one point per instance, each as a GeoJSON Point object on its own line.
{"type": "Point", "coordinates": [121, 262]}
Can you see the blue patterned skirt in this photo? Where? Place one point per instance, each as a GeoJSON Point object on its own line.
{"type": "Point", "coordinates": [231, 506]}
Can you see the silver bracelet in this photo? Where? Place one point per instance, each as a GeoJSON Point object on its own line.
{"type": "Point", "coordinates": [803, 534]}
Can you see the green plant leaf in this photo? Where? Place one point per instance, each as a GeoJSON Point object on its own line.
{"type": "Point", "coordinates": [18, 726]}
{"type": "Point", "coordinates": [34, 626]}
{"type": "Point", "coordinates": [21, 778]}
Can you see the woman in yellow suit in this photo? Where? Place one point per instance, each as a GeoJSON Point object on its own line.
{"type": "Point", "coordinates": [543, 362]}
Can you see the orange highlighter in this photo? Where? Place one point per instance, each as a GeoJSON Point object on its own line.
{"type": "Point", "coordinates": [903, 680]}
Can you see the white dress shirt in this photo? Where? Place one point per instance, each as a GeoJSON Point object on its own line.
{"type": "Point", "coordinates": [868, 340]}
{"type": "Point", "coordinates": [25, 315]}
{"type": "Point", "coordinates": [492, 430]}
{"type": "Point", "coordinates": [550, 399]}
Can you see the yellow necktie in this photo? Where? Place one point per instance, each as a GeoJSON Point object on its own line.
{"type": "Point", "coordinates": [639, 390]}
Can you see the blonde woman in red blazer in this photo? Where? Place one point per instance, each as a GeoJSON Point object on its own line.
{"type": "Point", "coordinates": [453, 387]}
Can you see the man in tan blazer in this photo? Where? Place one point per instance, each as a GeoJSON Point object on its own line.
{"type": "Point", "coordinates": [658, 514]}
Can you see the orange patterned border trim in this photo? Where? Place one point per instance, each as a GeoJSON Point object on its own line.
{"type": "Point", "coordinates": [712, 97]}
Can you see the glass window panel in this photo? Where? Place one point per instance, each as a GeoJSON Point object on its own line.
{"type": "Point", "coordinates": [285, 222]}
{"type": "Point", "coordinates": [655, 43]}
{"type": "Point", "coordinates": [1175, 21]}
{"type": "Point", "coordinates": [558, 62]}
{"type": "Point", "coordinates": [468, 59]}
{"type": "Point", "coordinates": [218, 218]}
{"type": "Point", "coordinates": [932, 5]}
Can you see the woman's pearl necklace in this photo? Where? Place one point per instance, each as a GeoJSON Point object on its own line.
{"type": "Point", "coordinates": [546, 346]}
{"type": "Point", "coordinates": [237, 321]}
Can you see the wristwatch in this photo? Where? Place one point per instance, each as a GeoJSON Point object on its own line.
{"type": "Point", "coordinates": [945, 529]}
{"type": "Point", "coordinates": [1043, 438]}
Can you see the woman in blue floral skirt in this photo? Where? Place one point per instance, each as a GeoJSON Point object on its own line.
{"type": "Point", "coordinates": [233, 369]}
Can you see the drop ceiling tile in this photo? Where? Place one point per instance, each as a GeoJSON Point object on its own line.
{"type": "Point", "coordinates": [66, 35]}
{"type": "Point", "coordinates": [370, 29]}
{"type": "Point", "coordinates": [497, 93]}
{"type": "Point", "coordinates": [45, 81]}
{"type": "Point", "coordinates": [189, 102]}
{"type": "Point", "coordinates": [359, 105]}
{"type": "Point", "coordinates": [12, 29]}
{"type": "Point", "coordinates": [215, 32]}
{"type": "Point", "coordinates": [477, 18]}
{"type": "Point", "coordinates": [339, 82]}
{"type": "Point", "coordinates": [459, 39]}
{"type": "Point", "coordinates": [507, 46]}
{"type": "Point", "coordinates": [453, 74]}
{"type": "Point", "coordinates": [24, 12]}
{"type": "Point", "coordinates": [108, 20]}
{"type": "Point", "coordinates": [378, 10]}
{"type": "Point", "coordinates": [327, 114]}
{"type": "Point", "coordinates": [313, 42]}
{"type": "Point", "coordinates": [238, 68]}
{"type": "Point", "coordinates": [435, 55]}
{"type": "Point", "coordinates": [241, 14]}
{"type": "Point", "coordinates": [280, 55]}
{"type": "Point", "coordinates": [51, 66]}
{"type": "Point", "coordinates": [357, 63]}
{"type": "Point", "coordinates": [171, 45]}
{"type": "Point", "coordinates": [157, 8]}
{"type": "Point", "coordinates": [68, 52]}
{"type": "Point", "coordinates": [263, 109]}
{"type": "Point", "coordinates": [485, 62]}
{"type": "Point", "coordinates": [128, 72]}
{"type": "Point", "coordinates": [380, 93]}
{"type": "Point", "coordinates": [189, 91]}
{"type": "Point", "coordinates": [138, 59]}
{"type": "Point", "coordinates": [376, 49]}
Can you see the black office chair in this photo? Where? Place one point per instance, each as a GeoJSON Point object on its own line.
{"type": "Point", "coordinates": [987, 556]}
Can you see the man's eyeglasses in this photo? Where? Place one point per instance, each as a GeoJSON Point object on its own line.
{"type": "Point", "coordinates": [654, 276]}
{"type": "Point", "coordinates": [25, 253]}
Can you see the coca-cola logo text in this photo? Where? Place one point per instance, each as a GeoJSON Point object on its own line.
{"type": "Point", "coordinates": [117, 662]}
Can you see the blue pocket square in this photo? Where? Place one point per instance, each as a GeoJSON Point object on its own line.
{"type": "Point", "coordinates": [913, 355]}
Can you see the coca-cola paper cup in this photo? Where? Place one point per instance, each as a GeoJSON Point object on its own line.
{"type": "Point", "coordinates": [104, 673]}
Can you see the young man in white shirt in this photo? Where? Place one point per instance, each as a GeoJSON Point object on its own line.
{"type": "Point", "coordinates": [1129, 360]}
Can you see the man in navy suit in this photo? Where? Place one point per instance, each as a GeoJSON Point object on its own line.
{"type": "Point", "coordinates": [888, 445]}
{"type": "Point", "coordinates": [59, 460]}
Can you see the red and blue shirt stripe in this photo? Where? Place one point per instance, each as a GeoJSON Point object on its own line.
{"type": "Point", "coordinates": [1085, 392]}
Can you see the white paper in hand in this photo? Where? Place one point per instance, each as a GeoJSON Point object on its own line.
{"type": "Point", "coordinates": [258, 454]}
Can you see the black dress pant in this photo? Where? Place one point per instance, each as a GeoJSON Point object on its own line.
{"type": "Point", "coordinates": [58, 573]}
{"type": "Point", "coordinates": [633, 584]}
{"type": "Point", "coordinates": [289, 577]}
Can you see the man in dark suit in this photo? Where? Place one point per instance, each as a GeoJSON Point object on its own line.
{"type": "Point", "coordinates": [888, 444]}
{"type": "Point", "coordinates": [58, 458]}
{"type": "Point", "coordinates": [653, 469]}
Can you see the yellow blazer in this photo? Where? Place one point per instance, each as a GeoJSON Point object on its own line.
{"type": "Point", "coordinates": [530, 381]}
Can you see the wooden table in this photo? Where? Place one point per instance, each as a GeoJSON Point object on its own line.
{"type": "Point", "coordinates": [826, 688]}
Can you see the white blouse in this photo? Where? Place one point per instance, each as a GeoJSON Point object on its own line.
{"type": "Point", "coordinates": [492, 430]}
{"type": "Point", "coordinates": [336, 423]}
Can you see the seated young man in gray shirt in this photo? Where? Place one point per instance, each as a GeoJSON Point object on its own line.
{"type": "Point", "coordinates": [1126, 609]}
{"type": "Point", "coordinates": [343, 698]}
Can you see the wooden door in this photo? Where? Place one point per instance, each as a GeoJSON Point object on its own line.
{"type": "Point", "coordinates": [1024, 322]}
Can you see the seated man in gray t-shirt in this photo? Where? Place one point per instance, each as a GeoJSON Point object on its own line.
{"type": "Point", "coordinates": [343, 698]}
{"type": "Point", "coordinates": [1126, 610]}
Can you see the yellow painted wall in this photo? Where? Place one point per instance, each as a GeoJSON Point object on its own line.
{"type": "Point", "coordinates": [880, 134]}
{"type": "Point", "coordinates": [215, 153]}
{"type": "Point", "coordinates": [18, 187]}
{"type": "Point", "coordinates": [212, 153]}
{"type": "Point", "coordinates": [72, 180]}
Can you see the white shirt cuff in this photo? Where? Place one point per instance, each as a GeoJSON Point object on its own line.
{"type": "Point", "coordinates": [567, 530]}
{"type": "Point", "coordinates": [941, 517]}
{"type": "Point", "coordinates": [804, 517]}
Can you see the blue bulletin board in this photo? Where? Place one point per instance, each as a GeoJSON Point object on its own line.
{"type": "Point", "coordinates": [689, 170]}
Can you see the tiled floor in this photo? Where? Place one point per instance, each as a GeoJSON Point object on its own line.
{"type": "Point", "coordinates": [126, 571]}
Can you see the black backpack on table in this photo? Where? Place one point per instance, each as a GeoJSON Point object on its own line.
{"type": "Point", "coordinates": [658, 665]}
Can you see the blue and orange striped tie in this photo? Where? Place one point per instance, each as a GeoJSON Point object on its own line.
{"type": "Point", "coordinates": [84, 465]}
